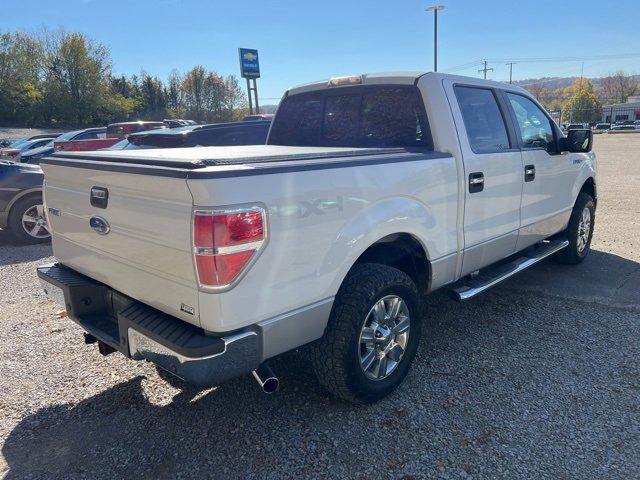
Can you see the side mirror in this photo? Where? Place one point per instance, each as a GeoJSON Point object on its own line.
{"type": "Point", "coordinates": [577, 141]}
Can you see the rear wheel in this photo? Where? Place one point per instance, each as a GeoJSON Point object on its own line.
{"type": "Point", "coordinates": [372, 336]}
{"type": "Point", "coordinates": [579, 232]}
{"type": "Point", "coordinates": [27, 221]}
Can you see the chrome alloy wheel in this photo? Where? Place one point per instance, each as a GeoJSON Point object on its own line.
{"type": "Point", "coordinates": [34, 222]}
{"type": "Point", "coordinates": [384, 337]}
{"type": "Point", "coordinates": [584, 229]}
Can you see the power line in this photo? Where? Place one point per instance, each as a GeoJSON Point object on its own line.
{"type": "Point", "coordinates": [567, 59]}
{"type": "Point", "coordinates": [464, 66]}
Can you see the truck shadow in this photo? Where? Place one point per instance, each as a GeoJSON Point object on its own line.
{"type": "Point", "coordinates": [121, 433]}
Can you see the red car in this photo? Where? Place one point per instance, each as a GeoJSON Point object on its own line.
{"type": "Point", "coordinates": [124, 129]}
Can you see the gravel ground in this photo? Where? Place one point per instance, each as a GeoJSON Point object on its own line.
{"type": "Point", "coordinates": [537, 379]}
{"type": "Point", "coordinates": [7, 132]}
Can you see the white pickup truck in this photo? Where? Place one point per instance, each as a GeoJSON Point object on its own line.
{"type": "Point", "coordinates": [371, 192]}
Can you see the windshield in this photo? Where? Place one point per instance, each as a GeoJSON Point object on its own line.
{"type": "Point", "coordinates": [121, 145]}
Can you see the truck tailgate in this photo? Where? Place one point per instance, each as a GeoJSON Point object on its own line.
{"type": "Point", "coordinates": [147, 253]}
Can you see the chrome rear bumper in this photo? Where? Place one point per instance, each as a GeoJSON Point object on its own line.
{"type": "Point", "coordinates": [141, 332]}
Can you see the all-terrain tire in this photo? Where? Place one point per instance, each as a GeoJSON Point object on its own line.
{"type": "Point", "coordinates": [336, 356]}
{"type": "Point", "coordinates": [579, 240]}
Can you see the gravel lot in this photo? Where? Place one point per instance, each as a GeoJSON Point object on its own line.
{"type": "Point", "coordinates": [537, 379]}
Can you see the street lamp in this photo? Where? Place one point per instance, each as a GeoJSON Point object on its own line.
{"type": "Point", "coordinates": [435, 9]}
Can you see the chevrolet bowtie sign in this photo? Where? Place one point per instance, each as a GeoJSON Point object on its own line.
{"type": "Point", "coordinates": [249, 66]}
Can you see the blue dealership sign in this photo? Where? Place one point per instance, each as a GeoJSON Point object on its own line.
{"type": "Point", "coordinates": [249, 66]}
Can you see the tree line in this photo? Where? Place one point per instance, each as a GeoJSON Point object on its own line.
{"type": "Point", "coordinates": [59, 78]}
{"type": "Point", "coordinates": [583, 100]}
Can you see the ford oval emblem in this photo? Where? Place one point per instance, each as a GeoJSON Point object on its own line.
{"type": "Point", "coordinates": [100, 225]}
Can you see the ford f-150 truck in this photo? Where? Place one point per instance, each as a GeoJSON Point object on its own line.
{"type": "Point", "coordinates": [372, 191]}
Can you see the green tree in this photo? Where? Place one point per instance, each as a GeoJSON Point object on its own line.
{"type": "Point", "coordinates": [77, 71]}
{"type": "Point", "coordinates": [581, 103]}
{"type": "Point", "coordinates": [21, 61]}
{"type": "Point", "coordinates": [175, 107]}
{"type": "Point", "coordinates": [153, 98]}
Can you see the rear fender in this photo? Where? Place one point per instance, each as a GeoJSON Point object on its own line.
{"type": "Point", "coordinates": [387, 217]}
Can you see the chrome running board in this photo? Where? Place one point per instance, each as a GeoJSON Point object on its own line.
{"type": "Point", "coordinates": [484, 281]}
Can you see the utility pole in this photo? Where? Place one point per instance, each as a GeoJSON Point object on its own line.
{"type": "Point", "coordinates": [485, 69]}
{"type": "Point", "coordinates": [511, 64]}
{"type": "Point", "coordinates": [435, 9]}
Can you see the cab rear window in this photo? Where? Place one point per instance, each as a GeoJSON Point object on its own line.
{"type": "Point", "coordinates": [363, 116]}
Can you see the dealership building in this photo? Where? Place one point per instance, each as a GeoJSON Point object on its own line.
{"type": "Point", "coordinates": [620, 112]}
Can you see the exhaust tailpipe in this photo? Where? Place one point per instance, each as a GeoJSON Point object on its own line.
{"type": "Point", "coordinates": [266, 378]}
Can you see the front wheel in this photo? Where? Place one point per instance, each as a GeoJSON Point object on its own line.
{"type": "Point", "coordinates": [372, 335]}
{"type": "Point", "coordinates": [579, 232]}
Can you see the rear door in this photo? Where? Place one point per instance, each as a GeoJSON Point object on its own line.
{"type": "Point", "coordinates": [493, 175]}
{"type": "Point", "coordinates": [547, 197]}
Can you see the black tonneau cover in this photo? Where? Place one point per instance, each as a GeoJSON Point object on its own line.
{"type": "Point", "coordinates": [147, 158]}
{"type": "Point", "coordinates": [222, 162]}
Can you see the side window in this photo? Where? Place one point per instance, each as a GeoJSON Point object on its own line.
{"type": "Point", "coordinates": [87, 136]}
{"type": "Point", "coordinates": [535, 126]}
{"type": "Point", "coordinates": [483, 120]}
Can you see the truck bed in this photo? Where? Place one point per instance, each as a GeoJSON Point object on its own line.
{"type": "Point", "coordinates": [317, 199]}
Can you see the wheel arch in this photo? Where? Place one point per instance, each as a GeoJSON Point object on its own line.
{"type": "Point", "coordinates": [393, 225]}
{"type": "Point", "coordinates": [23, 194]}
{"type": "Point", "coordinates": [589, 186]}
{"type": "Point", "coordinates": [404, 252]}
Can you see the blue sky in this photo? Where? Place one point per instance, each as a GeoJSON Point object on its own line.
{"type": "Point", "coordinates": [301, 41]}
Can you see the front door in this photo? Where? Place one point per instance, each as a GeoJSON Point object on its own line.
{"type": "Point", "coordinates": [493, 176]}
{"type": "Point", "coordinates": [547, 197]}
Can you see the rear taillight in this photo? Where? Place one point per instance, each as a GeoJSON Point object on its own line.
{"type": "Point", "coordinates": [12, 153]}
{"type": "Point", "coordinates": [226, 242]}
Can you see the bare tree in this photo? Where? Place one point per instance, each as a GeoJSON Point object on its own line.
{"type": "Point", "coordinates": [619, 87]}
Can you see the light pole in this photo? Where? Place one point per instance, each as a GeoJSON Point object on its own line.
{"type": "Point", "coordinates": [435, 9]}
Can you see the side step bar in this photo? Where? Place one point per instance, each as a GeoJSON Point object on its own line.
{"type": "Point", "coordinates": [484, 281]}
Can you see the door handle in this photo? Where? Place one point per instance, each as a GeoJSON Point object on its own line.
{"type": "Point", "coordinates": [476, 182]}
{"type": "Point", "coordinates": [529, 173]}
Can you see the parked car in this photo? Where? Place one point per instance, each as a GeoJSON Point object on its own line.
{"type": "Point", "coordinates": [21, 206]}
{"type": "Point", "coordinates": [34, 156]}
{"type": "Point", "coordinates": [15, 150]}
{"type": "Point", "coordinates": [216, 134]}
{"type": "Point", "coordinates": [124, 129]}
{"type": "Point", "coordinates": [6, 142]}
{"type": "Point", "coordinates": [601, 127]}
{"type": "Point", "coordinates": [623, 128]}
{"type": "Point", "coordinates": [84, 140]}
{"type": "Point", "coordinates": [576, 126]}
{"type": "Point", "coordinates": [258, 116]}
{"type": "Point", "coordinates": [210, 261]}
